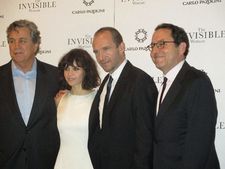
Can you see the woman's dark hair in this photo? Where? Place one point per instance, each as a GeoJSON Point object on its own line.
{"type": "Point", "coordinates": [82, 59]}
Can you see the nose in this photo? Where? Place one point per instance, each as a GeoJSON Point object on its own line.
{"type": "Point", "coordinates": [68, 72]}
{"type": "Point", "coordinates": [154, 50]}
{"type": "Point", "coordinates": [100, 56]}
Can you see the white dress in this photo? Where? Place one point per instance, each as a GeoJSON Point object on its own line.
{"type": "Point", "coordinates": [72, 121]}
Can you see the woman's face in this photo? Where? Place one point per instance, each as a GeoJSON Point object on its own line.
{"type": "Point", "coordinates": [74, 75]}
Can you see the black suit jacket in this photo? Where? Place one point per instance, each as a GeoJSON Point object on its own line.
{"type": "Point", "coordinates": [34, 146]}
{"type": "Point", "coordinates": [185, 125]}
{"type": "Point", "coordinates": [126, 139]}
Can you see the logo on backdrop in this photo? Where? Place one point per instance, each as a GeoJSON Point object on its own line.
{"type": "Point", "coordinates": [158, 79]}
{"type": "Point", "coordinates": [220, 125]}
{"type": "Point", "coordinates": [134, 2]}
{"type": "Point", "coordinates": [44, 52]}
{"type": "Point", "coordinates": [201, 2]}
{"type": "Point", "coordinates": [37, 5]}
{"type": "Point", "coordinates": [3, 44]}
{"type": "Point", "coordinates": [140, 36]}
{"type": "Point", "coordinates": [80, 42]}
{"type": "Point", "coordinates": [88, 3]}
{"type": "Point", "coordinates": [201, 35]}
{"type": "Point", "coordinates": [217, 91]}
{"type": "Point", "coordinates": [1, 16]}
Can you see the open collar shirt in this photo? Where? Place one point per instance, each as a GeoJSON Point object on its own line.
{"type": "Point", "coordinates": [24, 84]}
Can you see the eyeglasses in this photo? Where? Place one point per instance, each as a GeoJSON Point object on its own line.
{"type": "Point", "coordinates": [159, 45]}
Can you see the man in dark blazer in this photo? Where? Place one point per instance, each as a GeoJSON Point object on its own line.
{"type": "Point", "coordinates": [121, 135]}
{"type": "Point", "coordinates": [186, 117]}
{"type": "Point", "coordinates": [29, 136]}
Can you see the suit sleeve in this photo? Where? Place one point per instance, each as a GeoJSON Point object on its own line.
{"type": "Point", "coordinates": [201, 121]}
{"type": "Point", "coordinates": [144, 104]}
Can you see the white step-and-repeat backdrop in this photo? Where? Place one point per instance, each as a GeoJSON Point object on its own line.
{"type": "Point", "coordinates": [67, 24]}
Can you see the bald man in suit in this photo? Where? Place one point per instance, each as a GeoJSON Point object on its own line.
{"type": "Point", "coordinates": [121, 129]}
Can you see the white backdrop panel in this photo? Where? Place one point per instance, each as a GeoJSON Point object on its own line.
{"type": "Point", "coordinates": [67, 24]}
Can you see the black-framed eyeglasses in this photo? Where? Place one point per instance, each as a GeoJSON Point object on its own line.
{"type": "Point", "coordinates": [159, 45]}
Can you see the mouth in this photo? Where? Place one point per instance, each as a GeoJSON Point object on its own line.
{"type": "Point", "coordinates": [18, 53]}
{"type": "Point", "coordinates": [104, 63]}
{"type": "Point", "coordinates": [70, 79]}
{"type": "Point", "coordinates": [158, 57]}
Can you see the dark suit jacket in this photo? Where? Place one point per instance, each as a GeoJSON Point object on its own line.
{"type": "Point", "coordinates": [34, 146]}
{"type": "Point", "coordinates": [126, 139]}
{"type": "Point", "coordinates": [185, 125]}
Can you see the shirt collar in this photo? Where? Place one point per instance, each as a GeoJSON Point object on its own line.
{"type": "Point", "coordinates": [30, 74]}
{"type": "Point", "coordinates": [116, 74]}
{"type": "Point", "coordinates": [171, 75]}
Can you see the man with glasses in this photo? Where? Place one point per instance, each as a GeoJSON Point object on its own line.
{"type": "Point", "coordinates": [187, 113]}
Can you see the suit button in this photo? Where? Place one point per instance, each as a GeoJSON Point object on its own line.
{"type": "Point", "coordinates": [27, 131]}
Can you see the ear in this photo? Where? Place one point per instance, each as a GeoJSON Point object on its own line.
{"type": "Point", "coordinates": [182, 48]}
{"type": "Point", "coordinates": [36, 45]}
{"type": "Point", "coordinates": [122, 47]}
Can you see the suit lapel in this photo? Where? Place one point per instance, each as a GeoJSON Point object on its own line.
{"type": "Point", "coordinates": [172, 93]}
{"type": "Point", "coordinates": [120, 86]}
{"type": "Point", "coordinates": [10, 94]}
{"type": "Point", "coordinates": [94, 114]}
{"type": "Point", "coordinates": [41, 92]}
{"type": "Point", "coordinates": [168, 100]}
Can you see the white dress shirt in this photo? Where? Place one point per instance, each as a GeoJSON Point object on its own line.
{"type": "Point", "coordinates": [115, 75]}
{"type": "Point", "coordinates": [24, 84]}
{"type": "Point", "coordinates": [171, 75]}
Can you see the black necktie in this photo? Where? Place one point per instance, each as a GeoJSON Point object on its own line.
{"type": "Point", "coordinates": [109, 84]}
{"type": "Point", "coordinates": [104, 115]}
{"type": "Point", "coordinates": [163, 89]}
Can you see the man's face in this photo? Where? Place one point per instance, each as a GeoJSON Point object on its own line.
{"type": "Point", "coordinates": [108, 55]}
{"type": "Point", "coordinates": [166, 56]}
{"type": "Point", "coordinates": [21, 47]}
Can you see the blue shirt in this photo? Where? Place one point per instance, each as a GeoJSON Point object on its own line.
{"type": "Point", "coordinates": [24, 84]}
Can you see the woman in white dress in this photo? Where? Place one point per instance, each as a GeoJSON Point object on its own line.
{"type": "Point", "coordinates": [80, 76]}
